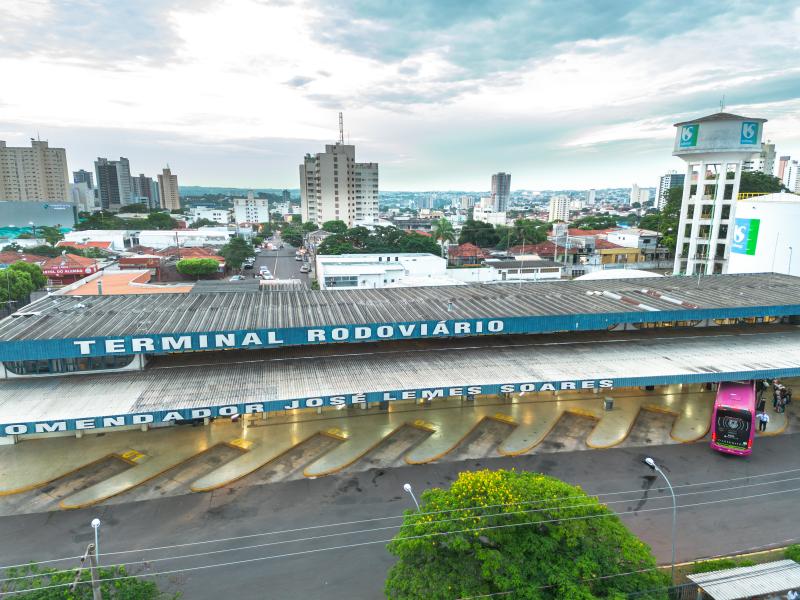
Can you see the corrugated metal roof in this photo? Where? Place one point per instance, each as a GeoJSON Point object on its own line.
{"type": "Point", "coordinates": [60, 317]}
{"type": "Point", "coordinates": [216, 379]}
{"type": "Point", "coordinates": [747, 582]}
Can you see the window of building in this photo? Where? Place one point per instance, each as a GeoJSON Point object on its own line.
{"type": "Point", "coordinates": [341, 281]}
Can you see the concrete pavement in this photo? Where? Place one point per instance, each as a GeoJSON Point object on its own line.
{"type": "Point", "coordinates": [717, 523]}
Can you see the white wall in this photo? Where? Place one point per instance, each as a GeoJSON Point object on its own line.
{"type": "Point", "coordinates": [116, 237]}
{"type": "Point", "coordinates": [380, 270]}
{"type": "Point", "coordinates": [778, 240]}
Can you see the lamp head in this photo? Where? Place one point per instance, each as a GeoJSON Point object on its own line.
{"type": "Point", "coordinates": [407, 487]}
{"type": "Point", "coordinates": [650, 463]}
{"type": "Point", "coordinates": [95, 523]}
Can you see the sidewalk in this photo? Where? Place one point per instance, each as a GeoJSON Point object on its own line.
{"type": "Point", "coordinates": [567, 420]}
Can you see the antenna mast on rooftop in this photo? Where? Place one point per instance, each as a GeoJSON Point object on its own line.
{"type": "Point", "coordinates": [341, 129]}
{"type": "Point", "coordinates": [722, 104]}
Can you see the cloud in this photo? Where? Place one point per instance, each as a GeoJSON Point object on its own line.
{"type": "Point", "coordinates": [299, 81]}
{"type": "Point", "coordinates": [92, 32]}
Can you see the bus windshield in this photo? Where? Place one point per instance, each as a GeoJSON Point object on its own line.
{"type": "Point", "coordinates": [733, 427]}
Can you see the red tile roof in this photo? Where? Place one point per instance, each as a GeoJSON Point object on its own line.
{"type": "Point", "coordinates": [84, 245]}
{"type": "Point", "coordinates": [467, 250]}
{"type": "Point", "coordinates": [7, 258]}
{"type": "Point", "coordinates": [586, 232]}
{"type": "Point", "coordinates": [419, 231]}
{"type": "Point", "coordinates": [69, 260]}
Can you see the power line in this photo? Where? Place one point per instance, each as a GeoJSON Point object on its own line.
{"type": "Point", "coordinates": [420, 536]}
{"type": "Point", "coordinates": [483, 528]}
{"type": "Point", "coordinates": [445, 511]}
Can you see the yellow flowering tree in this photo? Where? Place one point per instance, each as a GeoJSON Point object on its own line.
{"type": "Point", "coordinates": [526, 535]}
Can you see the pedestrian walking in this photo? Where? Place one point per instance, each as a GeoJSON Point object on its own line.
{"type": "Point", "coordinates": [763, 419]}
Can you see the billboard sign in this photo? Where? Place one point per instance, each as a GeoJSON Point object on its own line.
{"type": "Point", "coordinates": [689, 135]}
{"type": "Point", "coordinates": [745, 236]}
{"type": "Point", "coordinates": [749, 134]}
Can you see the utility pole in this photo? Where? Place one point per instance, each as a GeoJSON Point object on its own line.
{"type": "Point", "coordinates": [90, 555]}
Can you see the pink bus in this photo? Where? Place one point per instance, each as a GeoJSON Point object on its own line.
{"type": "Point", "coordinates": [733, 422]}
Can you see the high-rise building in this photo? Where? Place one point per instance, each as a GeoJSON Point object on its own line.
{"type": "Point", "coordinates": [251, 209]}
{"type": "Point", "coordinates": [286, 197]}
{"type": "Point", "coordinates": [168, 190]}
{"type": "Point", "coordinates": [791, 176]}
{"type": "Point", "coordinates": [559, 208]}
{"type": "Point", "coordinates": [715, 149]}
{"type": "Point", "coordinates": [114, 182]}
{"type": "Point", "coordinates": [145, 191]}
{"type": "Point", "coordinates": [665, 184]}
{"type": "Point", "coordinates": [83, 196]}
{"type": "Point", "coordinates": [35, 174]}
{"type": "Point", "coordinates": [82, 176]}
{"type": "Point", "coordinates": [333, 186]}
{"type": "Point", "coordinates": [501, 190]}
{"type": "Point", "coordinates": [763, 161]}
{"type": "Point", "coordinates": [640, 195]}
{"type": "Point", "coordinates": [784, 160]}
{"type": "Point", "coordinates": [591, 198]}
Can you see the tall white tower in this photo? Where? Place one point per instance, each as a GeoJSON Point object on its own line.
{"type": "Point", "coordinates": [714, 148]}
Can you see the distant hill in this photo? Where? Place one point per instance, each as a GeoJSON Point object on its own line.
{"type": "Point", "coordinates": [199, 190]}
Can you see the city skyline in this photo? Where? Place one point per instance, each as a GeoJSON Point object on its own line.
{"type": "Point", "coordinates": [440, 95]}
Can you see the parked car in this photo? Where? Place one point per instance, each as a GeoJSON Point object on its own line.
{"type": "Point", "coordinates": [263, 269]}
{"type": "Point", "coordinates": [248, 265]}
{"type": "Point", "coordinates": [237, 278]}
{"type": "Point", "coordinates": [306, 268]}
{"type": "Point", "coordinates": [267, 276]}
{"type": "Point", "coordinates": [297, 257]}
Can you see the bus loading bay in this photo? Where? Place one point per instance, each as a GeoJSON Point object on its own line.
{"type": "Point", "coordinates": [107, 466]}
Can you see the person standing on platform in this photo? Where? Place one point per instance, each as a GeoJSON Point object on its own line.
{"type": "Point", "coordinates": [763, 419]}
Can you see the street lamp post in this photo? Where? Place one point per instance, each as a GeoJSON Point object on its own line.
{"type": "Point", "coordinates": [96, 527]}
{"type": "Point", "coordinates": [409, 490]}
{"type": "Point", "coordinates": [33, 226]}
{"type": "Point", "coordinates": [652, 464]}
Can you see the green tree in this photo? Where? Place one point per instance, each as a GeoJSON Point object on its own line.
{"type": "Point", "coordinates": [34, 271]}
{"type": "Point", "coordinates": [50, 234]}
{"type": "Point", "coordinates": [336, 244]}
{"type": "Point", "coordinates": [204, 223]}
{"type": "Point", "coordinates": [443, 232]}
{"type": "Point", "coordinates": [550, 540]}
{"type": "Point", "coordinates": [296, 219]}
{"type": "Point", "coordinates": [756, 181]}
{"type": "Point", "coordinates": [197, 267]}
{"type": "Point", "coordinates": [479, 233]}
{"type": "Point", "coordinates": [335, 226]}
{"type": "Point", "coordinates": [161, 220]}
{"type": "Point", "coordinates": [29, 582]}
{"type": "Point", "coordinates": [415, 242]}
{"type": "Point", "coordinates": [310, 226]}
{"type": "Point", "coordinates": [236, 251]}
{"type": "Point", "coordinates": [265, 229]}
{"type": "Point", "coordinates": [257, 240]}
{"type": "Point", "coordinates": [44, 250]}
{"type": "Point", "coordinates": [524, 231]}
{"type": "Point", "coordinates": [292, 234]}
{"type": "Point", "coordinates": [139, 207]}
{"type": "Point", "coordinates": [15, 286]}
{"type": "Point", "coordinates": [595, 222]}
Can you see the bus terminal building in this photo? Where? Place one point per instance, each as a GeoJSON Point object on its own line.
{"type": "Point", "coordinates": [73, 364]}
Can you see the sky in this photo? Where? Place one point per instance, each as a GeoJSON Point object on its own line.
{"type": "Point", "coordinates": [573, 94]}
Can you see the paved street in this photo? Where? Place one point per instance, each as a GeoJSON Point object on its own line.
{"type": "Point", "coordinates": [281, 264]}
{"type": "Point", "coordinates": [765, 516]}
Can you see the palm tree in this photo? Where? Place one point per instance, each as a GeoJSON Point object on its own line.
{"type": "Point", "coordinates": [443, 232]}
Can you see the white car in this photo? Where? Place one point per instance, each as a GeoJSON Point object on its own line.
{"type": "Point", "coordinates": [306, 268]}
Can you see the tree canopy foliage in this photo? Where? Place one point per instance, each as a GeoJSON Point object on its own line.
{"type": "Point", "coordinates": [360, 240]}
{"type": "Point", "coordinates": [335, 226]}
{"type": "Point", "coordinates": [109, 220]}
{"type": "Point", "coordinates": [197, 267]}
{"type": "Point", "coordinates": [204, 223]}
{"type": "Point", "coordinates": [479, 233]}
{"type": "Point", "coordinates": [756, 181]}
{"type": "Point", "coordinates": [236, 251]}
{"type": "Point", "coordinates": [524, 231]}
{"type": "Point", "coordinates": [595, 222]}
{"type": "Point", "coordinates": [30, 582]}
{"type": "Point", "coordinates": [38, 278]}
{"type": "Point", "coordinates": [292, 234]}
{"type": "Point", "coordinates": [525, 535]}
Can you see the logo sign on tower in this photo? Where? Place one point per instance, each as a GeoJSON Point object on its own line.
{"type": "Point", "coordinates": [745, 236]}
{"type": "Point", "coordinates": [689, 135]}
{"type": "Point", "coordinates": [749, 135]}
